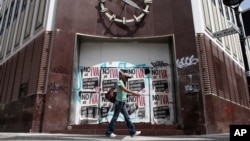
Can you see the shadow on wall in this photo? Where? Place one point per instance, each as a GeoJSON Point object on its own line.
{"type": "Point", "coordinates": [192, 121]}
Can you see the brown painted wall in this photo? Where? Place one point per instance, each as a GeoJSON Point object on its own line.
{"type": "Point", "coordinates": [222, 113]}
{"type": "Point", "coordinates": [224, 88]}
{"type": "Point", "coordinates": [59, 82]}
{"type": "Point", "coordinates": [83, 16]}
{"type": "Point", "coordinates": [221, 87]}
{"type": "Point", "coordinates": [20, 105]}
{"type": "Point", "coordinates": [166, 17]}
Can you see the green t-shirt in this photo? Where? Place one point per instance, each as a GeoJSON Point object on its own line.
{"type": "Point", "coordinates": [121, 95]}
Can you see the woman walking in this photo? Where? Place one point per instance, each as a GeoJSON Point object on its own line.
{"type": "Point", "coordinates": [120, 106]}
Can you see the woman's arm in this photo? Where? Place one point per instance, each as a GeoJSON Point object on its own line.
{"type": "Point", "coordinates": [129, 91]}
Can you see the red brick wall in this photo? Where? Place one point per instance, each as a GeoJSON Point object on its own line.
{"type": "Point", "coordinates": [224, 88]}
{"type": "Point", "coordinates": [28, 66]}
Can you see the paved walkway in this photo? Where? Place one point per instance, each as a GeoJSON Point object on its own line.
{"type": "Point", "coordinates": [77, 137]}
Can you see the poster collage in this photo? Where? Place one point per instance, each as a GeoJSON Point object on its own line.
{"type": "Point", "coordinates": [155, 104]}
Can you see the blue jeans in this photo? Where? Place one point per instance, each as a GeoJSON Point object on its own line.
{"type": "Point", "coordinates": [120, 107]}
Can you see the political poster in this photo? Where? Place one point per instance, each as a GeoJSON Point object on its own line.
{"type": "Point", "coordinates": [138, 107]}
{"type": "Point", "coordinates": [161, 98]}
{"type": "Point", "coordinates": [89, 107]}
{"type": "Point", "coordinates": [89, 95]}
{"type": "Point", "coordinates": [109, 79]}
{"type": "Point", "coordinates": [155, 104]}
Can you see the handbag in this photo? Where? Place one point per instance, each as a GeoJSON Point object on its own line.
{"type": "Point", "coordinates": [111, 95]}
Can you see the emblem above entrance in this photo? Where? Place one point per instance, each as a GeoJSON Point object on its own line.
{"type": "Point", "coordinates": [125, 11]}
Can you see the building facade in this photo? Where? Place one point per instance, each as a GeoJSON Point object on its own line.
{"type": "Point", "coordinates": [58, 58]}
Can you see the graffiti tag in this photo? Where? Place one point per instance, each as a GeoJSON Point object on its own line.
{"type": "Point", "coordinates": [59, 69]}
{"type": "Point", "coordinates": [159, 64]}
{"type": "Point", "coordinates": [55, 88]}
{"type": "Point", "coordinates": [185, 62]}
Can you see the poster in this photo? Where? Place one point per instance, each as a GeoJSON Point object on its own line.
{"type": "Point", "coordinates": [109, 79]}
{"type": "Point", "coordinates": [89, 95]}
{"type": "Point", "coordinates": [89, 107]}
{"type": "Point", "coordinates": [161, 98]}
{"type": "Point", "coordinates": [138, 107]}
{"type": "Point", "coordinates": [155, 105]}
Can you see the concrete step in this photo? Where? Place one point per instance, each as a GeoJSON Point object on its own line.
{"type": "Point", "coordinates": [121, 129]}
